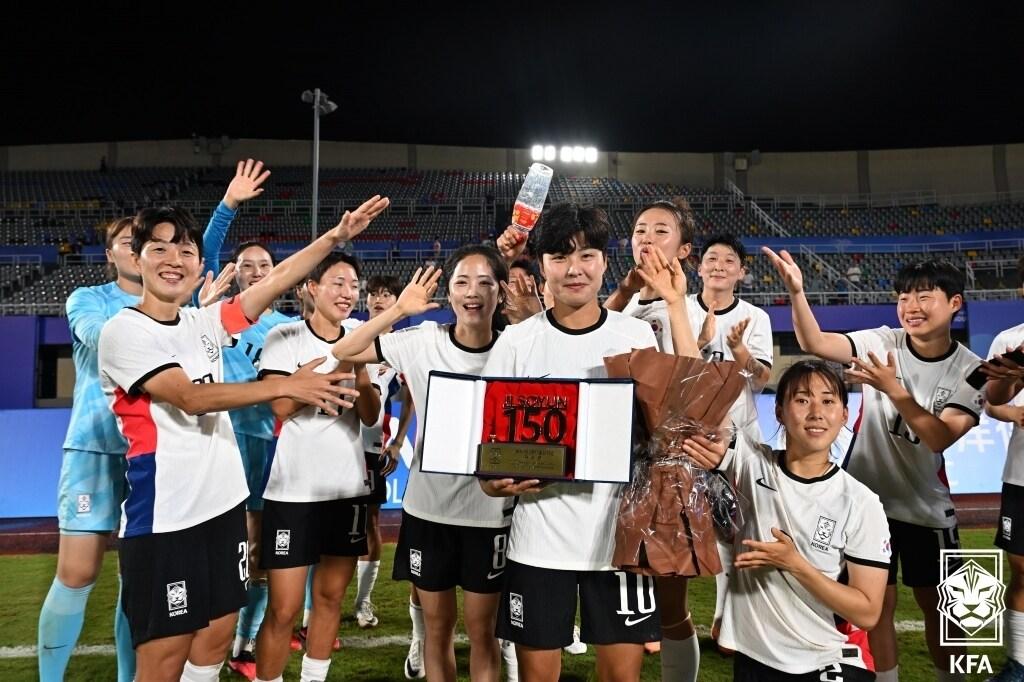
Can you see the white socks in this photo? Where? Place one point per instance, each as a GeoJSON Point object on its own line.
{"type": "Point", "coordinates": [366, 578]}
{"type": "Point", "coordinates": [201, 673]}
{"type": "Point", "coordinates": [1013, 624]}
{"type": "Point", "coordinates": [314, 669]}
{"type": "Point", "coordinates": [680, 659]}
{"type": "Point", "coordinates": [888, 676]}
{"type": "Point", "coordinates": [279, 678]}
{"type": "Point", "coordinates": [416, 614]}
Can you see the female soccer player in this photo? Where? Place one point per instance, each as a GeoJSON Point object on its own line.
{"type": "Point", "coordinates": [561, 537]}
{"type": "Point", "coordinates": [805, 522]}
{"type": "Point", "coordinates": [314, 509]}
{"type": "Point", "coordinates": [452, 534]}
{"type": "Point", "coordinates": [184, 551]}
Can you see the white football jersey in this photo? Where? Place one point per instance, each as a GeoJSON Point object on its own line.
{"type": "Point", "coordinates": [387, 383]}
{"type": "Point", "coordinates": [757, 338]}
{"type": "Point", "coordinates": [1013, 471]}
{"type": "Point", "coordinates": [182, 469]}
{"type": "Point", "coordinates": [318, 457]}
{"type": "Point", "coordinates": [833, 520]}
{"type": "Point", "coordinates": [441, 498]}
{"type": "Point", "coordinates": [885, 454]}
{"type": "Point", "coordinates": [567, 526]}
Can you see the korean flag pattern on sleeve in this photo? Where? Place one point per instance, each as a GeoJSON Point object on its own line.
{"type": "Point", "coordinates": [833, 520]}
{"type": "Point", "coordinates": [182, 469]}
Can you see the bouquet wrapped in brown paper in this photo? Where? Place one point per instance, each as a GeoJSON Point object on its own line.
{"type": "Point", "coordinates": [668, 512]}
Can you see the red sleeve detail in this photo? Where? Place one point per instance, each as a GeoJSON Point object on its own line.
{"type": "Point", "coordinates": [232, 316]}
{"type": "Point", "coordinates": [137, 423]}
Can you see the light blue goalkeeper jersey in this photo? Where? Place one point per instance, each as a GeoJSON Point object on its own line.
{"type": "Point", "coordinates": [242, 362]}
{"type": "Point", "coordinates": [92, 425]}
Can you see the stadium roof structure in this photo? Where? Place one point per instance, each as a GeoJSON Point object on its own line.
{"type": "Point", "coordinates": [679, 76]}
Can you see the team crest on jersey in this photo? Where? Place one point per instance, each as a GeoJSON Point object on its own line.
{"type": "Point", "coordinates": [823, 534]}
{"type": "Point", "coordinates": [84, 503]}
{"type": "Point", "coordinates": [887, 547]}
{"type": "Point", "coordinates": [942, 396]}
{"type": "Point", "coordinates": [177, 598]}
{"type": "Point", "coordinates": [655, 327]}
{"type": "Point", "coordinates": [212, 351]}
{"type": "Point", "coordinates": [515, 609]}
{"type": "Point", "coordinates": [282, 542]}
{"type": "Point", "coordinates": [415, 561]}
{"type": "Point", "coordinates": [1007, 523]}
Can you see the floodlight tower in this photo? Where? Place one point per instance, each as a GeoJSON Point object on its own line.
{"type": "Point", "coordinates": [322, 106]}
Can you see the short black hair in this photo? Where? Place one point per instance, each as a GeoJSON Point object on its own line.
{"type": "Point", "coordinates": [798, 375]}
{"type": "Point", "coordinates": [559, 226]}
{"type": "Point", "coordinates": [185, 227]}
{"type": "Point", "coordinates": [725, 239]}
{"type": "Point", "coordinates": [931, 274]}
{"type": "Point", "coordinates": [387, 282]}
{"type": "Point", "coordinates": [524, 264]}
{"type": "Point", "coordinates": [332, 259]}
{"type": "Point", "coordinates": [494, 259]}
{"type": "Point", "coordinates": [248, 245]}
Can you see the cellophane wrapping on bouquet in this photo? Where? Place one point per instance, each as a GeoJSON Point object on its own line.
{"type": "Point", "coordinates": [671, 510]}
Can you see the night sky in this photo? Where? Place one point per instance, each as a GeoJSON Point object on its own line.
{"type": "Point", "coordinates": [775, 76]}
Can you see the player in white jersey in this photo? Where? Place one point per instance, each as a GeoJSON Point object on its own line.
{"type": "Point", "coordinates": [452, 533]}
{"type": "Point", "coordinates": [313, 512]}
{"type": "Point", "coordinates": [382, 292]}
{"type": "Point", "coordinates": [183, 550]}
{"type": "Point", "coordinates": [561, 540]}
{"type": "Point", "coordinates": [916, 403]}
{"type": "Point", "coordinates": [1006, 403]}
{"type": "Point", "coordinates": [806, 522]}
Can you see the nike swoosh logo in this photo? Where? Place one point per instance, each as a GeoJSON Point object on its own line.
{"type": "Point", "coordinates": [51, 648]}
{"type": "Point", "coordinates": [761, 483]}
{"type": "Point", "coordinates": [355, 540]}
{"type": "Point", "coordinates": [492, 576]}
{"type": "Point", "coordinates": [630, 622]}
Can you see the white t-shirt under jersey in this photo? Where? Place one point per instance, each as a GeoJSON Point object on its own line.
{"type": "Point", "coordinates": [441, 498]}
{"type": "Point", "coordinates": [318, 457]}
{"type": "Point", "coordinates": [757, 338]}
{"type": "Point", "coordinates": [567, 526]}
{"type": "Point", "coordinates": [1013, 471]}
{"type": "Point", "coordinates": [182, 469]}
{"type": "Point", "coordinates": [886, 455]}
{"type": "Point", "coordinates": [833, 519]}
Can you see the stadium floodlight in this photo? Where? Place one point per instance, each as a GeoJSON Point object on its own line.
{"type": "Point", "coordinates": [322, 105]}
{"type": "Point", "coordinates": [578, 154]}
{"type": "Point", "coordinates": [590, 155]}
{"type": "Point", "coordinates": [537, 152]}
{"type": "Point", "coordinates": [550, 153]}
{"type": "Point", "coordinates": [566, 154]}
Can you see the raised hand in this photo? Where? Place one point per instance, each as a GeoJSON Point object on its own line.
{"type": "Point", "coordinates": [418, 295]}
{"type": "Point", "coordinates": [787, 268]}
{"type": "Point", "coordinates": [521, 299]}
{"type": "Point", "coordinates": [709, 328]}
{"type": "Point", "coordinates": [246, 184]}
{"type": "Point", "coordinates": [352, 223]}
{"type": "Point", "coordinates": [214, 289]}
{"type": "Point", "coordinates": [511, 244]}
{"type": "Point", "coordinates": [321, 390]}
{"type": "Point", "coordinates": [663, 276]}
{"type": "Point", "coordinates": [877, 374]}
{"type": "Point", "coordinates": [734, 339]}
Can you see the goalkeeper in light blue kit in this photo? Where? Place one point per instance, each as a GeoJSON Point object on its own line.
{"type": "Point", "coordinates": [254, 426]}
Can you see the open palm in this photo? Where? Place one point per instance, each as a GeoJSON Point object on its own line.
{"type": "Point", "coordinates": [354, 222]}
{"type": "Point", "coordinates": [787, 268]}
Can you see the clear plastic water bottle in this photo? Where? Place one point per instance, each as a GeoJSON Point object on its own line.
{"type": "Point", "coordinates": [530, 201]}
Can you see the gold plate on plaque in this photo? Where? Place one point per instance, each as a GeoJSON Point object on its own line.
{"type": "Point", "coordinates": [522, 460]}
